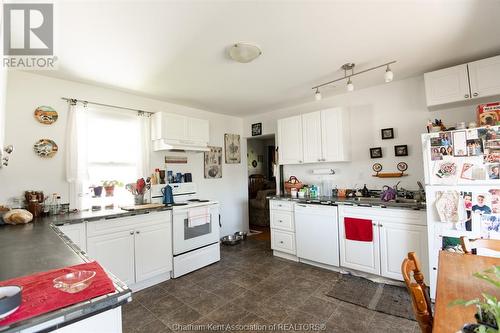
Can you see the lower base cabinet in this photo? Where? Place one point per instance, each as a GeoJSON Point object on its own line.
{"type": "Point", "coordinates": [134, 249]}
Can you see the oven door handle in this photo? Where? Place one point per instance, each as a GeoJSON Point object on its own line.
{"type": "Point", "coordinates": [220, 224]}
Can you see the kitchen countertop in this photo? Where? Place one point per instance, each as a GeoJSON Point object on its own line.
{"type": "Point", "coordinates": [335, 201]}
{"type": "Point", "coordinates": [40, 246]}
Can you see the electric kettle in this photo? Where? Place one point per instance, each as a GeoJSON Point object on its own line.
{"type": "Point", "coordinates": [168, 196]}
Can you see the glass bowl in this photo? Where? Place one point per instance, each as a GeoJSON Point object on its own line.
{"type": "Point", "coordinates": [74, 282]}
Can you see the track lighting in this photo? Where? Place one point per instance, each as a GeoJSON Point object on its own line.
{"type": "Point", "coordinates": [389, 75]}
{"type": "Point", "coordinates": [350, 86]}
{"type": "Point", "coordinates": [317, 95]}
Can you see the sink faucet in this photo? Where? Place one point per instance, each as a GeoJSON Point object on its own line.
{"type": "Point", "coordinates": [421, 190]}
{"type": "Point", "coordinates": [396, 187]}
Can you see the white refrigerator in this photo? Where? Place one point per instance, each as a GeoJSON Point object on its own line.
{"type": "Point", "coordinates": [462, 189]}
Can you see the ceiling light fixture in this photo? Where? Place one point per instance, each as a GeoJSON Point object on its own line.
{"type": "Point", "coordinates": [388, 76]}
{"type": "Point", "coordinates": [317, 95]}
{"type": "Point", "coordinates": [244, 52]}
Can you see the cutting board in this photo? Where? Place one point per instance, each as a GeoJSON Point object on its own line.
{"type": "Point", "coordinates": [145, 206]}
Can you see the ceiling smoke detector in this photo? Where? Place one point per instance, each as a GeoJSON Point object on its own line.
{"type": "Point", "coordinates": [244, 52]}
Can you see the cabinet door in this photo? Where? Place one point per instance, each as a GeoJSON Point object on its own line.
{"type": "Point", "coordinates": [174, 127]}
{"type": "Point", "coordinates": [76, 232]}
{"type": "Point", "coordinates": [115, 252]}
{"type": "Point", "coordinates": [290, 140]}
{"type": "Point", "coordinates": [311, 137]}
{"type": "Point", "coordinates": [485, 77]}
{"type": "Point", "coordinates": [335, 135]}
{"type": "Point", "coordinates": [396, 240]}
{"type": "Point", "coordinates": [362, 256]}
{"type": "Point", "coordinates": [153, 251]}
{"type": "Point", "coordinates": [447, 85]}
{"type": "Point", "coordinates": [198, 130]}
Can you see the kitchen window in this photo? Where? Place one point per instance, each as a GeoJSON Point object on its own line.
{"type": "Point", "coordinates": [116, 144]}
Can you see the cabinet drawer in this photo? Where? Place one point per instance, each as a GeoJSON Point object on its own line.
{"type": "Point", "coordinates": [282, 220]}
{"type": "Point", "coordinates": [281, 205]}
{"type": "Point", "coordinates": [283, 241]}
{"type": "Point", "coordinates": [108, 226]}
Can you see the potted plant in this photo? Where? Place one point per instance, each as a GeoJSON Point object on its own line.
{"type": "Point", "coordinates": [488, 308]}
{"type": "Point", "coordinates": [109, 186]}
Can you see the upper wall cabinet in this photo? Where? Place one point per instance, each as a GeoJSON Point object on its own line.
{"type": "Point", "coordinates": [463, 83]}
{"type": "Point", "coordinates": [173, 131]}
{"type": "Point", "coordinates": [321, 136]}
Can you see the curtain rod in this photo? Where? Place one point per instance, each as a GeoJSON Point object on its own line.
{"type": "Point", "coordinates": [107, 105]}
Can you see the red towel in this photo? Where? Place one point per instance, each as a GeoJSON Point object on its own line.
{"type": "Point", "coordinates": [39, 295]}
{"type": "Point", "coordinates": [358, 229]}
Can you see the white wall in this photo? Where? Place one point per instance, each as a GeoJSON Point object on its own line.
{"type": "Point", "coordinates": [27, 171]}
{"type": "Point", "coordinates": [400, 105]}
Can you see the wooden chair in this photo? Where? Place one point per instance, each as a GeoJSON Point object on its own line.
{"type": "Point", "coordinates": [255, 184]}
{"type": "Point", "coordinates": [469, 244]}
{"type": "Point", "coordinates": [419, 292]}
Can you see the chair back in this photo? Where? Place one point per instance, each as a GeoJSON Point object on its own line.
{"type": "Point", "coordinates": [469, 244]}
{"type": "Point", "coordinates": [419, 292]}
{"type": "Point", "coordinates": [255, 184]}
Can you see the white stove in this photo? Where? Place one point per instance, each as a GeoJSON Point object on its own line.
{"type": "Point", "coordinates": [195, 228]}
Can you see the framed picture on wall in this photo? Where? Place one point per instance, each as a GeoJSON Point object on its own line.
{"type": "Point", "coordinates": [232, 148]}
{"type": "Point", "coordinates": [387, 133]}
{"type": "Point", "coordinates": [401, 150]}
{"type": "Point", "coordinates": [256, 129]}
{"type": "Point", "coordinates": [376, 152]}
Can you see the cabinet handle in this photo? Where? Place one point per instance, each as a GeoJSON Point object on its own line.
{"type": "Point", "coordinates": [137, 232]}
{"type": "Point", "coordinates": [300, 161]}
{"type": "Point", "coordinates": [381, 225]}
{"type": "Point", "coordinates": [475, 94]}
{"type": "Point", "coordinates": [374, 224]}
{"type": "Point", "coordinates": [280, 221]}
{"type": "Point", "coordinates": [281, 242]}
{"type": "Point", "coordinates": [131, 232]}
{"type": "Point", "coordinates": [466, 95]}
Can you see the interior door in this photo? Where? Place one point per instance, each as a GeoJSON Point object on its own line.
{"type": "Point", "coordinates": [115, 252]}
{"type": "Point", "coordinates": [290, 140]}
{"type": "Point", "coordinates": [396, 240]}
{"type": "Point", "coordinates": [485, 77]}
{"type": "Point", "coordinates": [311, 136]}
{"type": "Point", "coordinates": [447, 85]}
{"type": "Point", "coordinates": [153, 251]}
{"type": "Point", "coordinates": [362, 256]}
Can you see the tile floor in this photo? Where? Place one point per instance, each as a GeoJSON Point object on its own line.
{"type": "Point", "coordinates": [251, 287]}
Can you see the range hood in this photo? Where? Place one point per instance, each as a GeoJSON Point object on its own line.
{"type": "Point", "coordinates": [164, 144]}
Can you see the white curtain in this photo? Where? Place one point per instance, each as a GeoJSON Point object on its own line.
{"type": "Point", "coordinates": [143, 165]}
{"type": "Point", "coordinates": [76, 153]}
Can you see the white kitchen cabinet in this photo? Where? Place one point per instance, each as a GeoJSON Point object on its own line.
{"type": "Point", "coordinates": [173, 131]}
{"type": "Point", "coordinates": [335, 135]}
{"type": "Point", "coordinates": [322, 136]}
{"type": "Point", "coordinates": [484, 76]}
{"type": "Point", "coordinates": [77, 233]}
{"type": "Point", "coordinates": [447, 85]}
{"type": "Point", "coordinates": [115, 252]}
{"type": "Point", "coordinates": [317, 234]}
{"type": "Point", "coordinates": [395, 233]}
{"type": "Point", "coordinates": [135, 248]}
{"type": "Point", "coordinates": [282, 228]}
{"type": "Point", "coordinates": [150, 262]}
{"type": "Point", "coordinates": [396, 240]}
{"type": "Point", "coordinates": [283, 241]}
{"type": "Point", "coordinates": [358, 255]}
{"type": "Point", "coordinates": [311, 137]}
{"type": "Point", "coordinates": [290, 140]}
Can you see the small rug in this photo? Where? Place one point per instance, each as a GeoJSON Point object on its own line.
{"type": "Point", "coordinates": [254, 232]}
{"type": "Point", "coordinates": [393, 300]}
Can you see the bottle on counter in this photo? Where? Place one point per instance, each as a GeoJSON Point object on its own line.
{"type": "Point", "coordinates": [53, 205]}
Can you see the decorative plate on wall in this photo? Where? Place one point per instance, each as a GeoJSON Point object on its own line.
{"type": "Point", "coordinates": [45, 148]}
{"type": "Point", "coordinates": [46, 115]}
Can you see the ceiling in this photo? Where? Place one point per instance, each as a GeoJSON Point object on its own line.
{"type": "Point", "coordinates": [176, 51]}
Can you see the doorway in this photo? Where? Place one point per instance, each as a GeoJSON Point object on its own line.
{"type": "Point", "coordinates": [261, 157]}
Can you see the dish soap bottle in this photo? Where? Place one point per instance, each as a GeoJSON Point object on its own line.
{"type": "Point", "coordinates": [365, 192]}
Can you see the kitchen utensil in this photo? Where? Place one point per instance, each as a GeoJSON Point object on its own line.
{"type": "Point", "coordinates": [141, 184]}
{"type": "Point", "coordinates": [10, 300]}
{"type": "Point", "coordinates": [241, 235]}
{"type": "Point", "coordinates": [230, 240]}
{"type": "Point", "coordinates": [74, 282]}
{"type": "Point", "coordinates": [168, 196]}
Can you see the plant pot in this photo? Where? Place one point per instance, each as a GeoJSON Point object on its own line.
{"type": "Point", "coordinates": [110, 190]}
{"type": "Point", "coordinates": [97, 191]}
